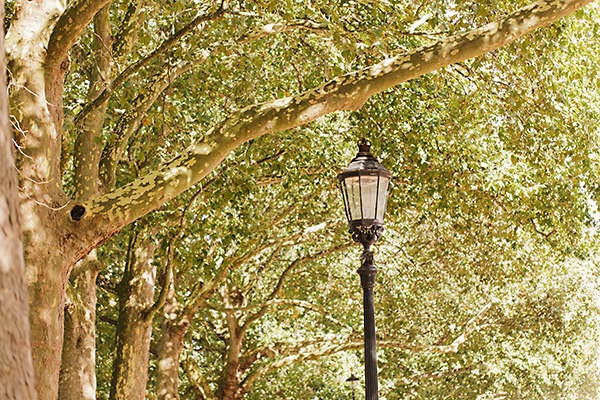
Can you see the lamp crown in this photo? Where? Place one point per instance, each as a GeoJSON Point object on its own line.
{"type": "Point", "coordinates": [364, 146]}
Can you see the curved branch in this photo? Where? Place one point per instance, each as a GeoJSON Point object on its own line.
{"type": "Point", "coordinates": [132, 118]}
{"type": "Point", "coordinates": [164, 293]}
{"type": "Point", "coordinates": [539, 231]}
{"type": "Point", "coordinates": [109, 213]}
{"type": "Point", "coordinates": [201, 293]}
{"type": "Point", "coordinates": [281, 27]}
{"type": "Point", "coordinates": [149, 313]}
{"type": "Point", "coordinates": [127, 29]}
{"type": "Point", "coordinates": [86, 153]}
{"type": "Point", "coordinates": [296, 303]}
{"type": "Point", "coordinates": [68, 29]}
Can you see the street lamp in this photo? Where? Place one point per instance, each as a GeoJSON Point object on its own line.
{"type": "Point", "coordinates": [365, 188]}
{"type": "Point", "coordinates": [353, 383]}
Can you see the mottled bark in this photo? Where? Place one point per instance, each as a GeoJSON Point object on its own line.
{"type": "Point", "coordinates": [176, 322]}
{"type": "Point", "coordinates": [78, 369]}
{"type": "Point", "coordinates": [127, 33]}
{"type": "Point", "coordinates": [255, 34]}
{"type": "Point", "coordinates": [229, 386]}
{"type": "Point", "coordinates": [134, 327]}
{"type": "Point", "coordinates": [163, 48]}
{"type": "Point", "coordinates": [41, 194]}
{"type": "Point", "coordinates": [169, 350]}
{"type": "Point", "coordinates": [65, 32]}
{"type": "Point", "coordinates": [131, 120]}
{"type": "Point", "coordinates": [16, 366]}
{"type": "Point", "coordinates": [72, 21]}
{"type": "Point", "coordinates": [45, 227]}
{"type": "Point", "coordinates": [88, 143]}
{"type": "Point", "coordinates": [239, 319]}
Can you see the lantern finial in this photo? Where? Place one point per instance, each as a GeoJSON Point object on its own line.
{"type": "Point", "coordinates": [364, 146]}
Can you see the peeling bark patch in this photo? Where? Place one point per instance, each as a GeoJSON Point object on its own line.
{"type": "Point", "coordinates": [77, 212]}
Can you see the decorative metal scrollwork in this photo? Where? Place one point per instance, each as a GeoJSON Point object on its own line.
{"type": "Point", "coordinates": [366, 235]}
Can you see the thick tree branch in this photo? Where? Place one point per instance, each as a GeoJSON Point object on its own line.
{"type": "Point", "coordinates": [256, 245]}
{"type": "Point", "coordinates": [164, 292]}
{"type": "Point", "coordinates": [149, 313]}
{"type": "Point", "coordinates": [201, 293]}
{"type": "Point", "coordinates": [127, 31]}
{"type": "Point", "coordinates": [68, 29]}
{"type": "Point", "coordinates": [87, 150]}
{"type": "Point", "coordinates": [109, 213]}
{"type": "Point", "coordinates": [132, 118]}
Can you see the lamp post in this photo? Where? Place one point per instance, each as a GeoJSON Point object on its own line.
{"type": "Point", "coordinates": [352, 382]}
{"type": "Point", "coordinates": [365, 189]}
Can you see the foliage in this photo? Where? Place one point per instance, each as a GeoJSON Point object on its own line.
{"type": "Point", "coordinates": [490, 244]}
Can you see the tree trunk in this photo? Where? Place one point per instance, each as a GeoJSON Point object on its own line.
{"type": "Point", "coordinates": [41, 194]}
{"type": "Point", "coordinates": [16, 366]}
{"type": "Point", "coordinates": [230, 387]}
{"type": "Point", "coordinates": [169, 350]}
{"type": "Point", "coordinates": [134, 327]}
{"type": "Point", "coordinates": [78, 371]}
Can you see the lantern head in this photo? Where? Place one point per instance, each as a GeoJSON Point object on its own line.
{"type": "Point", "coordinates": [352, 381]}
{"type": "Point", "coordinates": [365, 188]}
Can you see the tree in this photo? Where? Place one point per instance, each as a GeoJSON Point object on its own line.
{"type": "Point", "coordinates": [73, 200]}
{"type": "Point", "coordinates": [16, 367]}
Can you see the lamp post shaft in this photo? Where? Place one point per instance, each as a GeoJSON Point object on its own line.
{"type": "Point", "coordinates": [365, 187]}
{"type": "Point", "coordinates": [367, 272]}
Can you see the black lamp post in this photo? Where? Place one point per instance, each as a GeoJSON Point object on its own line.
{"type": "Point", "coordinates": [365, 188]}
{"type": "Point", "coordinates": [352, 382]}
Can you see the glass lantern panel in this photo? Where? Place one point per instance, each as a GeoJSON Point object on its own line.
{"type": "Point", "coordinates": [353, 192]}
{"type": "Point", "coordinates": [353, 383]}
{"type": "Point", "coordinates": [384, 187]}
{"type": "Point", "coordinates": [368, 187]}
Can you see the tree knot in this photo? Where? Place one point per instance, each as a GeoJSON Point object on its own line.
{"type": "Point", "coordinates": [77, 212]}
